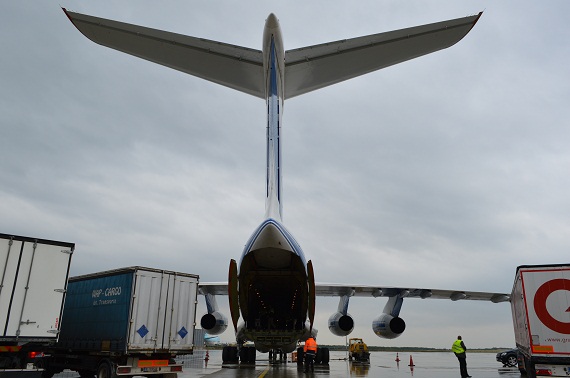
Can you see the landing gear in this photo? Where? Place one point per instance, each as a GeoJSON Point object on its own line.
{"type": "Point", "coordinates": [277, 356]}
{"type": "Point", "coordinates": [322, 357]}
{"type": "Point", "coordinates": [230, 355]}
{"type": "Point", "coordinates": [247, 355]}
{"type": "Point", "coordinates": [300, 356]}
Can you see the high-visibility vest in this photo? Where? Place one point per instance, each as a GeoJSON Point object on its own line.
{"type": "Point", "coordinates": [456, 347]}
{"type": "Point", "coordinates": [310, 344]}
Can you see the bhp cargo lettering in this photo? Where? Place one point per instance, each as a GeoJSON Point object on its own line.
{"type": "Point", "coordinates": [104, 293]}
{"type": "Point", "coordinates": [108, 292]}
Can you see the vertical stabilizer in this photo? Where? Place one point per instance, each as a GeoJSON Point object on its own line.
{"type": "Point", "coordinates": [273, 65]}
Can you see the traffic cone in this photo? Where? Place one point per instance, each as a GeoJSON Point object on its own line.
{"type": "Point", "coordinates": [397, 358]}
{"type": "Point", "coordinates": [411, 361]}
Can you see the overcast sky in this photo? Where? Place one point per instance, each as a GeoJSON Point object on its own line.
{"type": "Point", "coordinates": [444, 172]}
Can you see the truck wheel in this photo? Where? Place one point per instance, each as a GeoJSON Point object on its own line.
{"type": "Point", "coordinates": [86, 373]}
{"type": "Point", "coordinates": [530, 373]}
{"type": "Point", "coordinates": [48, 372]}
{"type": "Point", "coordinates": [105, 370]}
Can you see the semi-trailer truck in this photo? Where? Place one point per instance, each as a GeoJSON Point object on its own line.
{"type": "Point", "coordinates": [540, 303]}
{"type": "Point", "coordinates": [125, 322]}
{"type": "Point", "coordinates": [33, 280]}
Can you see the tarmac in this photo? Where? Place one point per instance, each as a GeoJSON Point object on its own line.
{"type": "Point", "coordinates": [382, 364]}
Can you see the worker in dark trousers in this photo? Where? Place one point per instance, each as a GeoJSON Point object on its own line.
{"type": "Point", "coordinates": [310, 350]}
{"type": "Point", "coordinates": [459, 349]}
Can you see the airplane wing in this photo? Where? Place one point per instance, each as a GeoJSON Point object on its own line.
{"type": "Point", "coordinates": [335, 290]}
{"type": "Point", "coordinates": [314, 67]}
{"type": "Point", "coordinates": [235, 67]}
{"type": "Point", "coordinates": [214, 288]}
{"type": "Point", "coordinates": [339, 290]}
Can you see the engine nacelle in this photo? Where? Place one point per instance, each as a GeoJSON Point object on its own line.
{"type": "Point", "coordinates": [341, 325]}
{"type": "Point", "coordinates": [388, 326]}
{"type": "Point", "coordinates": [214, 323]}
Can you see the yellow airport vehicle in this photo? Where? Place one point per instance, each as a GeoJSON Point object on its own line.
{"type": "Point", "coordinates": [358, 350]}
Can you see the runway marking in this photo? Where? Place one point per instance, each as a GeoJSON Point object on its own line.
{"type": "Point", "coordinates": [264, 372]}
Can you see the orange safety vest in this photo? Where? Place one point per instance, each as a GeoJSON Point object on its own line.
{"type": "Point", "coordinates": [310, 344]}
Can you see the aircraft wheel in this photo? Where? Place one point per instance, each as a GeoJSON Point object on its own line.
{"type": "Point", "coordinates": [252, 353]}
{"type": "Point", "coordinates": [325, 356]}
{"type": "Point", "coordinates": [243, 355]}
{"type": "Point", "coordinates": [319, 356]}
{"type": "Point", "coordinates": [300, 356]}
{"type": "Point", "coordinates": [230, 355]}
{"type": "Point", "coordinates": [233, 355]}
{"type": "Point", "coordinates": [225, 354]}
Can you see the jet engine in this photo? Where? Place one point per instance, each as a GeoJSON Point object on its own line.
{"type": "Point", "coordinates": [388, 326]}
{"type": "Point", "coordinates": [214, 323]}
{"type": "Point", "coordinates": [340, 324]}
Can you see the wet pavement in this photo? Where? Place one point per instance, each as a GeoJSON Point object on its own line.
{"type": "Point", "coordinates": [382, 364]}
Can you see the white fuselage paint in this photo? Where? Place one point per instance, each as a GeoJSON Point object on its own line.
{"type": "Point", "coordinates": [272, 269]}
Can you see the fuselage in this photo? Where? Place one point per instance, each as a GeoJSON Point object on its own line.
{"type": "Point", "coordinates": [273, 289]}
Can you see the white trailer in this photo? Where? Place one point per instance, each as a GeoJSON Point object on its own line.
{"type": "Point", "coordinates": [33, 281]}
{"type": "Point", "coordinates": [540, 303]}
{"type": "Point", "coordinates": [126, 322]}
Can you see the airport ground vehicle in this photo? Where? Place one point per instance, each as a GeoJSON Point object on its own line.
{"type": "Point", "coordinates": [540, 302]}
{"type": "Point", "coordinates": [129, 321]}
{"type": "Point", "coordinates": [33, 280]}
{"type": "Point", "coordinates": [358, 350]}
{"type": "Point", "coordinates": [508, 357]}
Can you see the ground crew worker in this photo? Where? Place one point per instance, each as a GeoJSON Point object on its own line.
{"type": "Point", "coordinates": [310, 350]}
{"type": "Point", "coordinates": [459, 349]}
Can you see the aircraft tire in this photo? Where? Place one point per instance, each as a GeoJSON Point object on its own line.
{"type": "Point", "coordinates": [233, 355]}
{"type": "Point", "coordinates": [251, 353]}
{"type": "Point", "coordinates": [325, 356]}
{"type": "Point", "coordinates": [300, 356]}
{"type": "Point", "coordinates": [243, 356]}
{"type": "Point", "coordinates": [319, 356]}
{"type": "Point", "coordinates": [225, 354]}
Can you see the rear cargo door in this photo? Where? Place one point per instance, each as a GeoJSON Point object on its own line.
{"type": "Point", "coordinates": [181, 325]}
{"type": "Point", "coordinates": [163, 312]}
{"type": "Point", "coordinates": [33, 278]}
{"type": "Point", "coordinates": [148, 310]}
{"type": "Point", "coordinates": [547, 296]}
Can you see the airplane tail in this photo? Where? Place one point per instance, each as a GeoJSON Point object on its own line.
{"type": "Point", "coordinates": [306, 69]}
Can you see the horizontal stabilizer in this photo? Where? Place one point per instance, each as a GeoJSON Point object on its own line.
{"type": "Point", "coordinates": [314, 67]}
{"type": "Point", "coordinates": [236, 67]}
{"type": "Point", "coordinates": [306, 69]}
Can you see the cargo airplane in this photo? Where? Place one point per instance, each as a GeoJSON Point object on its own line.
{"type": "Point", "coordinates": [272, 287]}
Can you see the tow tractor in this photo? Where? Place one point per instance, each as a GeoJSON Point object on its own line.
{"type": "Point", "coordinates": [358, 350]}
